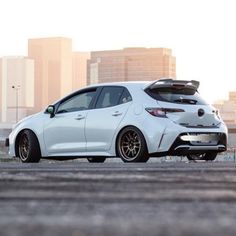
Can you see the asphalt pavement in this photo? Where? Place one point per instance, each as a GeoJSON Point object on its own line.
{"type": "Point", "coordinates": [114, 199]}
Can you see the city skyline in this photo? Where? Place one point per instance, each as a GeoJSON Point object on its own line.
{"type": "Point", "coordinates": [52, 70]}
{"type": "Point", "coordinates": [131, 64]}
{"type": "Point", "coordinates": [55, 71]}
{"type": "Point", "coordinates": [200, 33]}
{"type": "Point", "coordinates": [16, 88]}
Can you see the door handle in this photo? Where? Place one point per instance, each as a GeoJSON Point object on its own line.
{"type": "Point", "coordinates": [117, 113]}
{"type": "Point", "coordinates": [80, 117]}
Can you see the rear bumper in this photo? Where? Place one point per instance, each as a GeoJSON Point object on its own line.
{"type": "Point", "coordinates": [185, 149]}
{"type": "Point", "coordinates": [181, 147]}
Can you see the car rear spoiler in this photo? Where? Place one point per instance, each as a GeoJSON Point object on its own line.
{"type": "Point", "coordinates": [165, 83]}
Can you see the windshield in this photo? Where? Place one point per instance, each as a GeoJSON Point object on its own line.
{"type": "Point", "coordinates": [176, 95]}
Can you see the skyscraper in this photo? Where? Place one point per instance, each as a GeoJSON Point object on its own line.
{"type": "Point", "coordinates": [79, 69]}
{"type": "Point", "coordinates": [53, 69]}
{"type": "Point", "coordinates": [16, 88]}
{"type": "Point", "coordinates": [227, 108]}
{"type": "Point", "coordinates": [131, 64]}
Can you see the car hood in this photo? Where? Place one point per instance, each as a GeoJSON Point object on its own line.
{"type": "Point", "coordinates": [25, 119]}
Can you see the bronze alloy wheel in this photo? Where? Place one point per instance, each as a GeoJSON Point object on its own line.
{"type": "Point", "coordinates": [24, 147]}
{"type": "Point", "coordinates": [28, 149]}
{"type": "Point", "coordinates": [132, 145]}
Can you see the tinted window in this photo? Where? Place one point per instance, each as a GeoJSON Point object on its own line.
{"type": "Point", "coordinates": [177, 95]}
{"type": "Point", "coordinates": [78, 102]}
{"type": "Point", "coordinates": [110, 96]}
{"type": "Point", "coordinates": [125, 97]}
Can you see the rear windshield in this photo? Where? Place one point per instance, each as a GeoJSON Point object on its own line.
{"type": "Point", "coordinates": [176, 95]}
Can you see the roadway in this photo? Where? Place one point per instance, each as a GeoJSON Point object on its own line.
{"type": "Point", "coordinates": [114, 199]}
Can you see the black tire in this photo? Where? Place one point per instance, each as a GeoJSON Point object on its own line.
{"type": "Point", "coordinates": [28, 147]}
{"type": "Point", "coordinates": [208, 156]}
{"type": "Point", "coordinates": [131, 145]}
{"type": "Point", "coordinates": [96, 159]}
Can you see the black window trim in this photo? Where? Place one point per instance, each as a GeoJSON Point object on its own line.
{"type": "Point", "coordinates": [107, 86]}
{"type": "Point", "coordinates": [98, 90]}
{"type": "Point", "coordinates": [57, 105]}
{"type": "Point", "coordinates": [124, 90]}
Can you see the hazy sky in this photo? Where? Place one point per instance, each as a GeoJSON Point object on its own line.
{"type": "Point", "coordinates": [201, 33]}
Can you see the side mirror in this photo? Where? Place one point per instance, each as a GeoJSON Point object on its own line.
{"type": "Point", "coordinates": [51, 110]}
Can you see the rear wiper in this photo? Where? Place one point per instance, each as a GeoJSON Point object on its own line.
{"type": "Point", "coordinates": [186, 101]}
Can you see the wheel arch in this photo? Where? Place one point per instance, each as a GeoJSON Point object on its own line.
{"type": "Point", "coordinates": [18, 139]}
{"type": "Point", "coordinates": [117, 136]}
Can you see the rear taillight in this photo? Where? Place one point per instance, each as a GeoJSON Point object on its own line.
{"type": "Point", "coordinates": [162, 112]}
{"type": "Point", "coordinates": [159, 112]}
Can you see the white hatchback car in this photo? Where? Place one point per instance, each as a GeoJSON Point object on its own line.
{"type": "Point", "coordinates": [132, 120]}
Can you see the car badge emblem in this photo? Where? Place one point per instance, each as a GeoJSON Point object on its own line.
{"type": "Point", "coordinates": [201, 112]}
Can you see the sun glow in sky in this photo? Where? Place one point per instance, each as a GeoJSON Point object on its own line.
{"type": "Point", "coordinates": [201, 33]}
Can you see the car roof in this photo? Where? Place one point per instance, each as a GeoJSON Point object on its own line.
{"type": "Point", "coordinates": [126, 83]}
{"type": "Point", "coordinates": [162, 82]}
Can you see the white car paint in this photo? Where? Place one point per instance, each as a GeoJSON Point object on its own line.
{"type": "Point", "coordinates": [93, 132]}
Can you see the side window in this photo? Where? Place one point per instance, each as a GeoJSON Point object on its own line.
{"type": "Point", "coordinates": [110, 96]}
{"type": "Point", "coordinates": [78, 102]}
{"type": "Point", "coordinates": [125, 97]}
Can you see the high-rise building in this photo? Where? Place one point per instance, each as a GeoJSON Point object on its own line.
{"type": "Point", "coordinates": [16, 88]}
{"type": "Point", "coordinates": [53, 69]}
{"type": "Point", "coordinates": [227, 108]}
{"type": "Point", "coordinates": [232, 96]}
{"type": "Point", "coordinates": [131, 64]}
{"type": "Point", "coordinates": [79, 69]}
